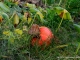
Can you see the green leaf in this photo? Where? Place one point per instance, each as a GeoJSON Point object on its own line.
{"type": "Point", "coordinates": [63, 13]}
{"type": "Point", "coordinates": [4, 15]}
{"type": "Point", "coordinates": [4, 7]}
{"type": "Point", "coordinates": [30, 5]}
{"type": "Point", "coordinates": [58, 10]}
{"type": "Point", "coordinates": [77, 27]}
{"type": "Point", "coordinates": [68, 16]}
{"type": "Point", "coordinates": [34, 10]}
{"type": "Point", "coordinates": [40, 15]}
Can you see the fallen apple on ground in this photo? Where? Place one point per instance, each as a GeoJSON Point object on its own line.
{"type": "Point", "coordinates": [45, 37]}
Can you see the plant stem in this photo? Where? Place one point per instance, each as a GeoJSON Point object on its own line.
{"type": "Point", "coordinates": [78, 48]}
{"type": "Point", "coordinates": [61, 21]}
{"type": "Point", "coordinates": [12, 15]}
{"type": "Point", "coordinates": [45, 3]}
{"type": "Point", "coordinates": [59, 25]}
{"type": "Point", "coordinates": [60, 2]}
{"type": "Point", "coordinates": [32, 21]}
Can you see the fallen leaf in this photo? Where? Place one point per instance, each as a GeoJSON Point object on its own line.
{"type": "Point", "coordinates": [7, 33]}
{"type": "Point", "coordinates": [18, 31]}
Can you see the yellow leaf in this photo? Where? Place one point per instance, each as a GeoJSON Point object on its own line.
{"type": "Point", "coordinates": [65, 11]}
{"type": "Point", "coordinates": [16, 19]}
{"type": "Point", "coordinates": [29, 20]}
{"type": "Point", "coordinates": [18, 31]}
{"type": "Point", "coordinates": [63, 14]}
{"type": "Point", "coordinates": [17, 2]}
{"type": "Point", "coordinates": [40, 14]}
{"type": "Point", "coordinates": [24, 18]}
{"type": "Point", "coordinates": [25, 28]}
{"type": "Point", "coordinates": [7, 33]}
{"type": "Point", "coordinates": [30, 5]}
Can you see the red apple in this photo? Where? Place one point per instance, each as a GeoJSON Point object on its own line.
{"type": "Point", "coordinates": [45, 37]}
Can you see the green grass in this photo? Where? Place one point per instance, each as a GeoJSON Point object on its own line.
{"type": "Point", "coordinates": [18, 47]}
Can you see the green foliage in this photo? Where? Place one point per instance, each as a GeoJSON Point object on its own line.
{"type": "Point", "coordinates": [73, 6]}
{"type": "Point", "coordinates": [4, 7]}
{"type": "Point", "coordinates": [16, 20]}
{"type": "Point", "coordinates": [49, 2]}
